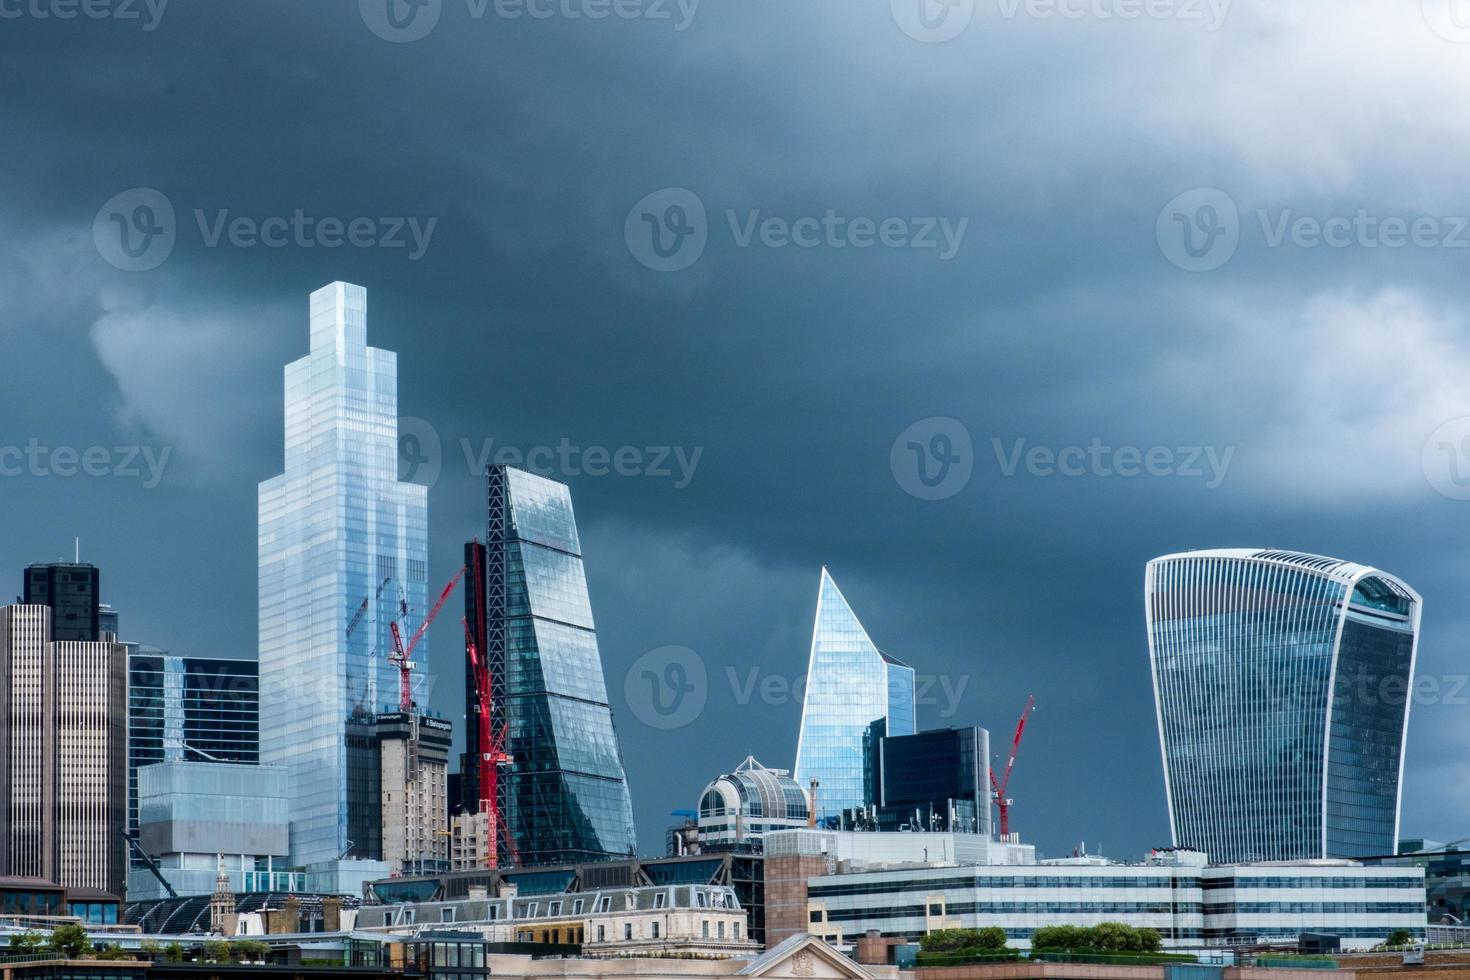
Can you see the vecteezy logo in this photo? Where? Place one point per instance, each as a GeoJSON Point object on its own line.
{"type": "Point", "coordinates": [1446, 459]}
{"type": "Point", "coordinates": [135, 230]}
{"type": "Point", "coordinates": [1199, 230]}
{"type": "Point", "coordinates": [667, 688]}
{"type": "Point", "coordinates": [933, 21]}
{"type": "Point", "coordinates": [420, 453]}
{"type": "Point", "coordinates": [400, 21]}
{"type": "Point", "coordinates": [668, 230]}
{"type": "Point", "coordinates": [1450, 19]}
{"type": "Point", "coordinates": [933, 459]}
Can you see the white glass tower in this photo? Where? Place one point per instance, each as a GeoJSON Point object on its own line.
{"type": "Point", "coordinates": [343, 551]}
{"type": "Point", "coordinates": [853, 691]}
{"type": "Point", "coordinates": [1281, 682]}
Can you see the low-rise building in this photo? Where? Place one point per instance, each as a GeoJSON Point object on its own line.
{"type": "Point", "coordinates": [1190, 904]}
{"type": "Point", "coordinates": [699, 920]}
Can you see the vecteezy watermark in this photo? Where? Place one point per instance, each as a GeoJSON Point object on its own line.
{"type": "Point", "coordinates": [421, 458]}
{"type": "Point", "coordinates": [137, 230]}
{"type": "Point", "coordinates": [1097, 459]}
{"type": "Point", "coordinates": [1210, 14]}
{"type": "Point", "coordinates": [1446, 459]}
{"type": "Point", "coordinates": [933, 459]}
{"type": "Point", "coordinates": [1450, 19]}
{"type": "Point", "coordinates": [1362, 687]}
{"type": "Point", "coordinates": [404, 21]}
{"type": "Point", "coordinates": [145, 463]}
{"type": "Point", "coordinates": [668, 231]}
{"type": "Point", "coordinates": [1200, 230]}
{"type": "Point", "coordinates": [669, 688]}
{"type": "Point", "coordinates": [148, 13]}
{"type": "Point", "coordinates": [933, 21]}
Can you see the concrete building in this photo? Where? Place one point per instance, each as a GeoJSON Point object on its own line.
{"type": "Point", "coordinates": [414, 782]}
{"type": "Point", "coordinates": [202, 819]}
{"type": "Point", "coordinates": [794, 858]}
{"type": "Point", "coordinates": [469, 841]}
{"type": "Point", "coordinates": [702, 920]}
{"type": "Point", "coordinates": [1190, 904]}
{"type": "Point", "coordinates": [63, 754]}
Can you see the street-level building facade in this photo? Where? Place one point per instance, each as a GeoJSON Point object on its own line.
{"type": "Point", "coordinates": [1190, 905]}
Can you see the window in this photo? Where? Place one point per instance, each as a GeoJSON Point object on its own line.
{"type": "Point", "coordinates": [701, 899]}
{"type": "Point", "coordinates": [602, 934]}
{"type": "Point", "coordinates": [629, 901]}
{"type": "Point", "coordinates": [554, 909]}
{"type": "Point", "coordinates": [577, 907]}
{"type": "Point", "coordinates": [722, 928]}
{"type": "Point", "coordinates": [627, 930]}
{"type": "Point", "coordinates": [605, 904]}
{"type": "Point", "coordinates": [659, 900]}
{"type": "Point", "coordinates": [735, 930]}
{"type": "Point", "coordinates": [704, 928]}
{"type": "Point", "coordinates": [531, 910]}
{"type": "Point", "coordinates": [936, 909]}
{"type": "Point", "coordinates": [655, 930]}
{"type": "Point", "coordinates": [815, 915]}
{"type": "Point", "coordinates": [446, 915]}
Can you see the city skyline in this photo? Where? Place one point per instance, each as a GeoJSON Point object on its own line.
{"type": "Point", "coordinates": [1084, 395]}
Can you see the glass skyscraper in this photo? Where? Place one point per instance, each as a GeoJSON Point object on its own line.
{"type": "Point", "coordinates": [342, 552]}
{"type": "Point", "coordinates": [564, 796]}
{"type": "Point", "coordinates": [189, 709]}
{"type": "Point", "coordinates": [854, 691]}
{"type": "Point", "coordinates": [1281, 682]}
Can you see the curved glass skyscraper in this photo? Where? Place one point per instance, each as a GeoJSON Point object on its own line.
{"type": "Point", "coordinates": [565, 794]}
{"type": "Point", "coordinates": [1282, 684]}
{"type": "Point", "coordinates": [853, 690]}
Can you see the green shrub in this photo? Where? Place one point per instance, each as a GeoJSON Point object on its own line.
{"type": "Point", "coordinates": [986, 940]}
{"type": "Point", "coordinates": [69, 941]}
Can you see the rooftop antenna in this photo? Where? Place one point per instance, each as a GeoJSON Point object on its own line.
{"type": "Point", "coordinates": [77, 541]}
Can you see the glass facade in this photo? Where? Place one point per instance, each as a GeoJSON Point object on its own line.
{"type": "Point", "coordinates": [71, 590]}
{"type": "Point", "coordinates": [342, 553]}
{"type": "Point", "coordinates": [565, 795]}
{"type": "Point", "coordinates": [1282, 684]}
{"type": "Point", "coordinates": [850, 686]}
{"type": "Point", "coordinates": [194, 709]}
{"type": "Point", "coordinates": [937, 780]}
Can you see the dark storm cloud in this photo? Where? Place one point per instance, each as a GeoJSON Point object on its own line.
{"type": "Point", "coordinates": [1317, 371]}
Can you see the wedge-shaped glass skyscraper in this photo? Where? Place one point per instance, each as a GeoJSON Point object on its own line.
{"type": "Point", "coordinates": [1281, 684]}
{"type": "Point", "coordinates": [852, 690]}
{"type": "Point", "coordinates": [342, 553]}
{"type": "Point", "coordinates": [565, 795]}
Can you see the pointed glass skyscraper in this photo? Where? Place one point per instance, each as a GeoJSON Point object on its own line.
{"type": "Point", "coordinates": [852, 688]}
{"type": "Point", "coordinates": [565, 795]}
{"type": "Point", "coordinates": [342, 551]}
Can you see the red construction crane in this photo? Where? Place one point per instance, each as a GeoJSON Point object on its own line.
{"type": "Point", "coordinates": [400, 657]}
{"type": "Point", "coordinates": [491, 744]}
{"type": "Point", "coordinates": [998, 787]}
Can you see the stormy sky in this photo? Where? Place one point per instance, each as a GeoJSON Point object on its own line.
{"type": "Point", "coordinates": [980, 304]}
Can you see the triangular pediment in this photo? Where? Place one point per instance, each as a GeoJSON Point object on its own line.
{"type": "Point", "coordinates": [804, 957]}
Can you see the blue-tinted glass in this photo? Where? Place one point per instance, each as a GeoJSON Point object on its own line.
{"type": "Point", "coordinates": [1245, 647]}
{"type": "Point", "coordinates": [850, 686]}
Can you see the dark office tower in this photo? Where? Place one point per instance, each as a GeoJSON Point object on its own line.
{"type": "Point", "coordinates": [71, 590]}
{"type": "Point", "coordinates": [565, 795]}
{"type": "Point", "coordinates": [937, 780]}
{"type": "Point", "coordinates": [465, 788]}
{"type": "Point", "coordinates": [188, 709]}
